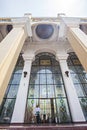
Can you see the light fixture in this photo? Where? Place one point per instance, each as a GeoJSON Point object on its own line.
{"type": "Point", "coordinates": [25, 73]}
{"type": "Point", "coordinates": [67, 73]}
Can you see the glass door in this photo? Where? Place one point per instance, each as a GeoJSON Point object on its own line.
{"type": "Point", "coordinates": [48, 110]}
{"type": "Point", "coordinates": [47, 114]}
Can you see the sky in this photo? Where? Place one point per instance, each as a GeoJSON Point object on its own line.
{"type": "Point", "coordinates": [43, 8]}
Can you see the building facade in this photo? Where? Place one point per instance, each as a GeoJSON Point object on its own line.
{"type": "Point", "coordinates": [43, 62]}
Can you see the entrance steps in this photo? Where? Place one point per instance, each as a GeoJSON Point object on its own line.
{"type": "Point", "coordinates": [44, 127]}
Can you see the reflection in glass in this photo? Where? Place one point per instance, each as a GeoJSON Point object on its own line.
{"type": "Point", "coordinates": [43, 78]}
{"type": "Point", "coordinates": [15, 79]}
{"type": "Point", "coordinates": [42, 69]}
{"type": "Point", "coordinates": [49, 70]}
{"type": "Point", "coordinates": [58, 79]}
{"type": "Point", "coordinates": [83, 78]}
{"type": "Point", "coordinates": [42, 91]}
{"type": "Point", "coordinates": [85, 89]}
{"type": "Point", "coordinates": [12, 91]}
{"type": "Point", "coordinates": [6, 112]}
{"type": "Point", "coordinates": [75, 78]}
{"type": "Point", "coordinates": [83, 102]}
{"type": "Point", "coordinates": [60, 90]}
{"type": "Point", "coordinates": [18, 70]}
{"type": "Point", "coordinates": [72, 69]}
{"type": "Point", "coordinates": [79, 90]}
{"type": "Point", "coordinates": [50, 91]}
{"type": "Point", "coordinates": [56, 69]}
{"type": "Point", "coordinates": [49, 78]}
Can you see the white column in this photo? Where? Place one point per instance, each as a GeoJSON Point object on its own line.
{"type": "Point", "coordinates": [20, 104]}
{"type": "Point", "coordinates": [74, 104]}
{"type": "Point", "coordinates": [10, 48]}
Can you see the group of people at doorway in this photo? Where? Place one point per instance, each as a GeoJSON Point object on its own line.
{"type": "Point", "coordinates": [37, 114]}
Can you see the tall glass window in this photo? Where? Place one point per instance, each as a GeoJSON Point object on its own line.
{"type": "Point", "coordinates": [79, 77]}
{"type": "Point", "coordinates": [7, 106]}
{"type": "Point", "coordinates": [46, 88]}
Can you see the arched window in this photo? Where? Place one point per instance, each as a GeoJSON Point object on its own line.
{"type": "Point", "coordinates": [79, 77]}
{"type": "Point", "coordinates": [46, 89]}
{"type": "Point", "coordinates": [7, 106]}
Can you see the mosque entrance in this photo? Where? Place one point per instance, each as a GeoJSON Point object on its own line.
{"type": "Point", "coordinates": [48, 110]}
{"type": "Point", "coordinates": [46, 89]}
{"type": "Point", "coordinates": [47, 113]}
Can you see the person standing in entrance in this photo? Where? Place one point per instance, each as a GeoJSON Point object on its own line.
{"type": "Point", "coordinates": [37, 113]}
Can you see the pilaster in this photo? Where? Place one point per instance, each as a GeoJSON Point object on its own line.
{"type": "Point", "coordinates": [20, 104]}
{"type": "Point", "coordinates": [74, 104]}
{"type": "Point", "coordinates": [28, 24]}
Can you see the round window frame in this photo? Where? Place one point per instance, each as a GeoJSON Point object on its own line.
{"type": "Point", "coordinates": [50, 36]}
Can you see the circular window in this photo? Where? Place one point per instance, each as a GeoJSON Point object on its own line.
{"type": "Point", "coordinates": [44, 31]}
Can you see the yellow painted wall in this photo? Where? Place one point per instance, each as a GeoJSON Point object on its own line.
{"type": "Point", "coordinates": [10, 48]}
{"type": "Point", "coordinates": [78, 41]}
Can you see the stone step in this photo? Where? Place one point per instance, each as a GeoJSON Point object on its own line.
{"type": "Point", "coordinates": [37, 127]}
